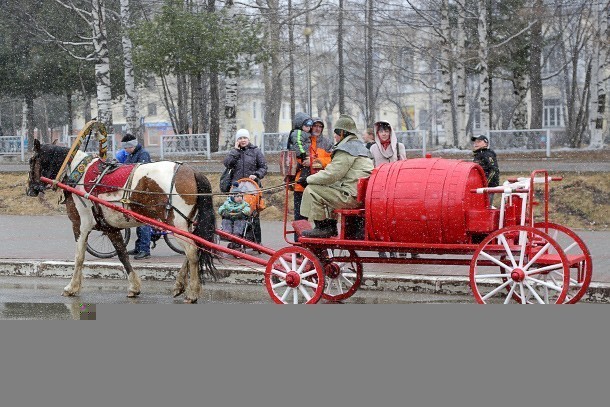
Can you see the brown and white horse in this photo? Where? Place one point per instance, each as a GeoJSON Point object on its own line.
{"type": "Point", "coordinates": [172, 193]}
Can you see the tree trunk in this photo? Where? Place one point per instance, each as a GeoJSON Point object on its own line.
{"type": "Point", "coordinates": [368, 69]}
{"type": "Point", "coordinates": [204, 102]}
{"type": "Point", "coordinates": [483, 66]}
{"type": "Point", "coordinates": [291, 60]}
{"type": "Point", "coordinates": [131, 110]}
{"type": "Point", "coordinates": [272, 68]}
{"type": "Point", "coordinates": [536, 39]}
{"type": "Point", "coordinates": [463, 139]}
{"type": "Point", "coordinates": [214, 111]}
{"type": "Point", "coordinates": [520, 91]}
{"type": "Point", "coordinates": [196, 102]}
{"type": "Point", "coordinates": [598, 125]}
{"type": "Point", "coordinates": [102, 64]}
{"type": "Point", "coordinates": [341, 67]}
{"type": "Point", "coordinates": [447, 75]}
{"type": "Point", "coordinates": [28, 120]}
{"type": "Point", "coordinates": [70, 112]}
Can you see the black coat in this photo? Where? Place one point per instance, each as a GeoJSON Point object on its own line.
{"type": "Point", "coordinates": [247, 161]}
{"type": "Point", "coordinates": [486, 158]}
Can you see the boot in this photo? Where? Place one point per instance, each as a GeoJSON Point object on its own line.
{"type": "Point", "coordinates": [324, 228]}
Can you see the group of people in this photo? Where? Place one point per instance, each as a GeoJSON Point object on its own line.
{"type": "Point", "coordinates": [326, 178]}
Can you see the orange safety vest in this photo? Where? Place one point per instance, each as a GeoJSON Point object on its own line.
{"type": "Point", "coordinates": [315, 153]}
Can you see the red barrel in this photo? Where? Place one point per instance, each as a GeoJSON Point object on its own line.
{"type": "Point", "coordinates": [423, 200]}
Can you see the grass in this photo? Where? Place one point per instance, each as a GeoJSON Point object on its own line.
{"type": "Point", "coordinates": [580, 201]}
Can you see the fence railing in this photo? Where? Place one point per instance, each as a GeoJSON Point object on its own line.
{"type": "Point", "coordinates": [528, 139]}
{"type": "Point", "coordinates": [185, 144]}
{"type": "Point", "coordinates": [414, 140]}
{"type": "Point", "coordinates": [13, 145]}
{"type": "Point", "coordinates": [273, 142]}
{"type": "Point", "coordinates": [93, 146]}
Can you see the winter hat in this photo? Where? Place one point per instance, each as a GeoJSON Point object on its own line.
{"type": "Point", "coordinates": [242, 133]}
{"type": "Point", "coordinates": [129, 140]}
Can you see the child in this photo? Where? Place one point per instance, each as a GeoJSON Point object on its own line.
{"type": "Point", "coordinates": [234, 211]}
{"type": "Point", "coordinates": [299, 140]}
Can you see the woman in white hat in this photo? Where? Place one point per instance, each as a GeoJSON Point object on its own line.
{"type": "Point", "coordinates": [247, 161]}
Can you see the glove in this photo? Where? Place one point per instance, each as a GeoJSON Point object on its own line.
{"type": "Point", "coordinates": [302, 182]}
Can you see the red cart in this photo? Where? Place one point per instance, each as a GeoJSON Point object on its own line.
{"type": "Point", "coordinates": [438, 209]}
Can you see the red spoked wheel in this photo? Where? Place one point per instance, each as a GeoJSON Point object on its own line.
{"type": "Point", "coordinates": [579, 258]}
{"type": "Point", "coordinates": [516, 249]}
{"type": "Point", "coordinates": [342, 277]}
{"type": "Point", "coordinates": [294, 275]}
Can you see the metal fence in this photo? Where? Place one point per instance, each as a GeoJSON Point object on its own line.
{"type": "Point", "coordinates": [13, 146]}
{"type": "Point", "coordinates": [185, 144]}
{"type": "Point", "coordinates": [93, 145]}
{"type": "Point", "coordinates": [520, 140]}
{"type": "Point", "coordinates": [273, 142]}
{"type": "Point", "coordinates": [414, 140]}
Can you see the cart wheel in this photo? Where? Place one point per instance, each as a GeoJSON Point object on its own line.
{"type": "Point", "coordinates": [579, 257]}
{"type": "Point", "coordinates": [516, 250]}
{"type": "Point", "coordinates": [343, 278]}
{"type": "Point", "coordinates": [99, 245]}
{"type": "Point", "coordinates": [294, 275]}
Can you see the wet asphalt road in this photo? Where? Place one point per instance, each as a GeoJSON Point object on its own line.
{"type": "Point", "coordinates": [40, 298]}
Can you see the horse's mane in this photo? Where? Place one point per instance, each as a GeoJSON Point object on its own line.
{"type": "Point", "coordinates": [51, 158]}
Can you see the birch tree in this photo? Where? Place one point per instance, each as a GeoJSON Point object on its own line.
{"type": "Point", "coordinates": [483, 65]}
{"type": "Point", "coordinates": [131, 109]}
{"type": "Point", "coordinates": [599, 124]}
{"type": "Point", "coordinates": [447, 76]}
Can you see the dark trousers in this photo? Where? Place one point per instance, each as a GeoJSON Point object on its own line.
{"type": "Point", "coordinates": [298, 196]}
{"type": "Point", "coordinates": [143, 241]}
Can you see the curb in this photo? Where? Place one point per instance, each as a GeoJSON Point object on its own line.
{"type": "Point", "coordinates": [448, 285]}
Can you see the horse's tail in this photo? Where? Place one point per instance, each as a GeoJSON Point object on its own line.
{"type": "Point", "coordinates": [205, 226]}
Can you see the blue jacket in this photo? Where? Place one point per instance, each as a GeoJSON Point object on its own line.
{"type": "Point", "coordinates": [140, 155]}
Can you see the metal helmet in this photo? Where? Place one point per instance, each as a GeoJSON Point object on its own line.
{"type": "Point", "coordinates": [347, 124]}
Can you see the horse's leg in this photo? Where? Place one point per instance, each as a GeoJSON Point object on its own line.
{"type": "Point", "coordinates": [81, 247]}
{"type": "Point", "coordinates": [193, 290]}
{"type": "Point", "coordinates": [180, 285]}
{"type": "Point", "coordinates": [116, 238]}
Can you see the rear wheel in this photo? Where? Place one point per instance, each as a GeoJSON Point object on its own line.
{"type": "Point", "coordinates": [342, 277]}
{"type": "Point", "coordinates": [172, 242]}
{"type": "Point", "coordinates": [579, 258]}
{"type": "Point", "coordinates": [99, 245]}
{"type": "Point", "coordinates": [528, 274]}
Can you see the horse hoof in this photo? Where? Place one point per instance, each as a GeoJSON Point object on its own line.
{"type": "Point", "coordinates": [190, 301]}
{"type": "Point", "coordinates": [177, 291]}
{"type": "Point", "coordinates": [68, 294]}
{"type": "Point", "coordinates": [133, 294]}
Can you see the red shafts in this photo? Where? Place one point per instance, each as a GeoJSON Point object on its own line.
{"type": "Point", "coordinates": [156, 223]}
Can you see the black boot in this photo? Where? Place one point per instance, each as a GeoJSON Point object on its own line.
{"type": "Point", "coordinates": [324, 228]}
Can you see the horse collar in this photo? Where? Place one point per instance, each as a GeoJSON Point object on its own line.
{"type": "Point", "coordinates": [78, 172]}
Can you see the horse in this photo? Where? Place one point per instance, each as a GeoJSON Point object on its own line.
{"type": "Point", "coordinates": [166, 191]}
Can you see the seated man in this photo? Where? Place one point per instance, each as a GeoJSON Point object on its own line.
{"type": "Point", "coordinates": [335, 187]}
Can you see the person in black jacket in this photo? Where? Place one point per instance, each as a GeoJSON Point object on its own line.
{"type": "Point", "coordinates": [247, 161]}
{"type": "Point", "coordinates": [487, 159]}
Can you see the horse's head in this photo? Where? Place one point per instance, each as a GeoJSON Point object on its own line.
{"type": "Point", "coordinates": [45, 162]}
{"type": "Point", "coordinates": [35, 185]}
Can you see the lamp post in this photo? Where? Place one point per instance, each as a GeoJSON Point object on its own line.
{"type": "Point", "coordinates": [307, 31]}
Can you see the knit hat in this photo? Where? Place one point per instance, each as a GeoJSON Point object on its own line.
{"type": "Point", "coordinates": [129, 140]}
{"type": "Point", "coordinates": [242, 133]}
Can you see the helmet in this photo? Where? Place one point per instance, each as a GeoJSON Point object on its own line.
{"type": "Point", "coordinates": [347, 124]}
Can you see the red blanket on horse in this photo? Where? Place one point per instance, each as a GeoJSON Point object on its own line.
{"type": "Point", "coordinates": [110, 182]}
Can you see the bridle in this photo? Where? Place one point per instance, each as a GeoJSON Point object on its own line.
{"type": "Point", "coordinates": [34, 182]}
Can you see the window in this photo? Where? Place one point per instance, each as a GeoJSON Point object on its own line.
{"type": "Point", "coordinates": [254, 110]}
{"type": "Point", "coordinates": [285, 110]}
{"type": "Point", "coordinates": [551, 58]}
{"type": "Point", "coordinates": [424, 120]}
{"type": "Point", "coordinates": [553, 113]}
{"type": "Point", "coordinates": [152, 109]}
{"type": "Point", "coordinates": [475, 112]}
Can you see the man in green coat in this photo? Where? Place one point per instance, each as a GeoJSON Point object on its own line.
{"type": "Point", "coordinates": [335, 186]}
